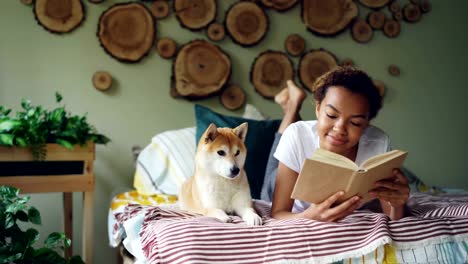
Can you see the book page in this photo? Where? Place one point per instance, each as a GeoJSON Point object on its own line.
{"type": "Point", "coordinates": [363, 181]}
{"type": "Point", "coordinates": [317, 181]}
{"type": "Point", "coordinates": [333, 158]}
{"type": "Point", "coordinates": [381, 158]}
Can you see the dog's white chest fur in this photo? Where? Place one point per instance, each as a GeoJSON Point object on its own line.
{"type": "Point", "coordinates": [222, 193]}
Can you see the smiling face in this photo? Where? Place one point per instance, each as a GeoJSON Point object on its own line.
{"type": "Point", "coordinates": [342, 117]}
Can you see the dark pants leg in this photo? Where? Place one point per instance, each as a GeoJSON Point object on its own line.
{"type": "Point", "coordinates": [270, 172]}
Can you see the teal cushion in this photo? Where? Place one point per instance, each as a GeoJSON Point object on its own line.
{"type": "Point", "coordinates": [260, 136]}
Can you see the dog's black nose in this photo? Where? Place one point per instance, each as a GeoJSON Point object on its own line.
{"type": "Point", "coordinates": [235, 170]}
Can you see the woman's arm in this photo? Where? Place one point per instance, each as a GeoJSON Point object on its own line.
{"type": "Point", "coordinates": [282, 202]}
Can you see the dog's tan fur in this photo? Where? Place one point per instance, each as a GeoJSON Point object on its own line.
{"type": "Point", "coordinates": [216, 189]}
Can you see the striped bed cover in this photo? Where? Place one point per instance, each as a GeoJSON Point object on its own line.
{"type": "Point", "coordinates": [437, 232]}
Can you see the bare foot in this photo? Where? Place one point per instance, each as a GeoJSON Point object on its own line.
{"type": "Point", "coordinates": [290, 98]}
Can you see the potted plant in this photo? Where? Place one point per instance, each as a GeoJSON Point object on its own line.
{"type": "Point", "coordinates": [17, 245]}
{"type": "Point", "coordinates": [35, 127]}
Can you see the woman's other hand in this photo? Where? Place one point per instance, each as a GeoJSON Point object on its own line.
{"type": "Point", "coordinates": [393, 194]}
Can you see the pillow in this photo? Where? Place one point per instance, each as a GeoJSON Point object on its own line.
{"type": "Point", "coordinates": [260, 136]}
{"type": "Point", "coordinates": [164, 164]}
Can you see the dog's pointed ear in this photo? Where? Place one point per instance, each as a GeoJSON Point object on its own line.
{"type": "Point", "coordinates": [241, 130]}
{"type": "Point", "coordinates": [210, 133]}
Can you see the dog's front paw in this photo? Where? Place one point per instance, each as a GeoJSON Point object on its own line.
{"type": "Point", "coordinates": [220, 214]}
{"type": "Point", "coordinates": [252, 219]}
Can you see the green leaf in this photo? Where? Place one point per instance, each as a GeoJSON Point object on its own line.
{"type": "Point", "coordinates": [64, 143]}
{"type": "Point", "coordinates": [12, 258]}
{"type": "Point", "coordinates": [34, 216]}
{"type": "Point", "coordinates": [26, 104]}
{"type": "Point", "coordinates": [9, 221]}
{"type": "Point", "coordinates": [15, 207]}
{"type": "Point", "coordinates": [8, 192]}
{"type": "Point", "coordinates": [53, 240]}
{"type": "Point", "coordinates": [21, 142]}
{"type": "Point", "coordinates": [8, 125]}
{"type": "Point", "coordinates": [32, 235]}
{"type": "Point", "coordinates": [6, 139]}
{"type": "Point", "coordinates": [58, 97]}
{"type": "Point", "coordinates": [22, 216]}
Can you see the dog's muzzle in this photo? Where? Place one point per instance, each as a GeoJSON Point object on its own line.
{"type": "Point", "coordinates": [234, 172]}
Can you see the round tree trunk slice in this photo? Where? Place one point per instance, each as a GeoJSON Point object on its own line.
{"type": "Point", "coordinates": [233, 97]}
{"type": "Point", "coordinates": [374, 3]}
{"type": "Point", "coordinates": [270, 71]}
{"type": "Point", "coordinates": [160, 9]}
{"type": "Point", "coordinates": [398, 16]}
{"type": "Point", "coordinates": [411, 13]}
{"type": "Point", "coordinates": [59, 16]}
{"type": "Point", "coordinates": [294, 45]}
{"type": "Point", "coordinates": [200, 69]}
{"type": "Point", "coordinates": [391, 28]}
{"type": "Point", "coordinates": [26, 2]}
{"type": "Point", "coordinates": [102, 80]}
{"type": "Point", "coordinates": [216, 32]}
{"type": "Point", "coordinates": [361, 31]}
{"type": "Point", "coordinates": [376, 19]}
{"type": "Point", "coordinates": [127, 31]}
{"type": "Point", "coordinates": [425, 6]}
{"type": "Point", "coordinates": [380, 86]}
{"type": "Point", "coordinates": [328, 18]}
{"type": "Point", "coordinates": [394, 6]}
{"type": "Point", "coordinates": [394, 70]}
{"type": "Point", "coordinates": [166, 47]}
{"type": "Point", "coordinates": [279, 5]}
{"type": "Point", "coordinates": [195, 14]}
{"type": "Point", "coordinates": [313, 64]}
{"type": "Point", "coordinates": [347, 62]}
{"type": "Point", "coordinates": [246, 23]}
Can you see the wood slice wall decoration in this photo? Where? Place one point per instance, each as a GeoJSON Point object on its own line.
{"type": "Point", "coordinates": [160, 9]}
{"type": "Point", "coordinates": [313, 64]}
{"type": "Point", "coordinates": [233, 97]}
{"type": "Point", "coordinates": [246, 23]}
{"type": "Point", "coordinates": [195, 14]}
{"type": "Point", "coordinates": [166, 47]}
{"type": "Point", "coordinates": [102, 80]}
{"type": "Point", "coordinates": [216, 32]}
{"type": "Point", "coordinates": [270, 71]}
{"type": "Point", "coordinates": [127, 31]}
{"type": "Point", "coordinates": [330, 17]}
{"type": "Point", "coordinates": [200, 69]}
{"type": "Point", "coordinates": [375, 3]}
{"type": "Point", "coordinates": [294, 45]}
{"type": "Point", "coordinates": [279, 5]}
{"type": "Point", "coordinates": [361, 31]}
{"type": "Point", "coordinates": [59, 16]}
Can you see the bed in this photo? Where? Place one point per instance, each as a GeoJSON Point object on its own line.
{"type": "Point", "coordinates": [147, 223]}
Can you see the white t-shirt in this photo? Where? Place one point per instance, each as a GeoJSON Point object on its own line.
{"type": "Point", "coordinates": [301, 139]}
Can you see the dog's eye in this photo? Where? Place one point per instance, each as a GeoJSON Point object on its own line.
{"type": "Point", "coordinates": [237, 152]}
{"type": "Point", "coordinates": [221, 152]}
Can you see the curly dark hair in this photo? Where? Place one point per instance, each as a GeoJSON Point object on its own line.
{"type": "Point", "coordinates": [355, 80]}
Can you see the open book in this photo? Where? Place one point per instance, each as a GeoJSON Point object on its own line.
{"type": "Point", "coordinates": [326, 173]}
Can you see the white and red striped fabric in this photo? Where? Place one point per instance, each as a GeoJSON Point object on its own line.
{"type": "Point", "coordinates": [175, 236]}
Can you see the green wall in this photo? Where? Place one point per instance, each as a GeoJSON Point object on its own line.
{"type": "Point", "coordinates": [424, 110]}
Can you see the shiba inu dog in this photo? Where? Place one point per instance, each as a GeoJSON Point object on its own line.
{"type": "Point", "coordinates": [219, 184]}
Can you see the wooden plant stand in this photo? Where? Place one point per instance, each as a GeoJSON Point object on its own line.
{"type": "Point", "coordinates": [64, 171]}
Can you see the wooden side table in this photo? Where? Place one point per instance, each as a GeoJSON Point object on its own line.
{"type": "Point", "coordinates": [64, 171]}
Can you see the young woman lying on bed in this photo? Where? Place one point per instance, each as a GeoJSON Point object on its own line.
{"type": "Point", "coordinates": [346, 100]}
